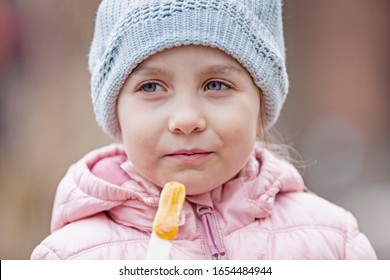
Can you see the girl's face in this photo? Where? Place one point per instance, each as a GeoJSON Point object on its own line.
{"type": "Point", "coordinates": [189, 114]}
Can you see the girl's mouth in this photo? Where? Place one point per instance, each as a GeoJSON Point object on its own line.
{"type": "Point", "coordinates": [190, 155]}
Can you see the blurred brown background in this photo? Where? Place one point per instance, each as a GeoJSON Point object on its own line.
{"type": "Point", "coordinates": [336, 115]}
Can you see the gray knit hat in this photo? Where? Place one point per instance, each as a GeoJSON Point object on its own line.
{"type": "Point", "coordinates": [129, 31]}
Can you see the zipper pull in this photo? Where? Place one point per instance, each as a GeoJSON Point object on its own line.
{"type": "Point", "coordinates": [205, 215]}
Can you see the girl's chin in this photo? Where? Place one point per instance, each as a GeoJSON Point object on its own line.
{"type": "Point", "coordinates": [197, 182]}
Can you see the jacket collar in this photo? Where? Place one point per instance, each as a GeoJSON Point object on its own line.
{"type": "Point", "coordinates": [132, 201]}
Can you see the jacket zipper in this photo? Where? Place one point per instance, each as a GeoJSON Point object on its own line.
{"type": "Point", "coordinates": [212, 238]}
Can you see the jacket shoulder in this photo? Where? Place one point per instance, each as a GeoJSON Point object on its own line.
{"type": "Point", "coordinates": [307, 209]}
{"type": "Point", "coordinates": [95, 237]}
{"type": "Point", "coordinates": [323, 225]}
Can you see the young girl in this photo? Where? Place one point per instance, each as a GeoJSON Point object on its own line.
{"type": "Point", "coordinates": [188, 87]}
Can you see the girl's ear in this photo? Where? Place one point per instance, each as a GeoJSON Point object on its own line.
{"type": "Point", "coordinates": [119, 136]}
{"type": "Point", "coordinates": [260, 133]}
{"type": "Point", "coordinates": [260, 130]}
{"type": "Point", "coordinates": [261, 117]}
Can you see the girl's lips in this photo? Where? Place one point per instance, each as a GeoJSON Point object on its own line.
{"type": "Point", "coordinates": [192, 155]}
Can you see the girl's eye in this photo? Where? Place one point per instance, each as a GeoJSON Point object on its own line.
{"type": "Point", "coordinates": [151, 87]}
{"type": "Point", "coordinates": [216, 85]}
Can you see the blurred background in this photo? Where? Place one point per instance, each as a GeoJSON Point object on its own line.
{"type": "Point", "coordinates": [336, 115]}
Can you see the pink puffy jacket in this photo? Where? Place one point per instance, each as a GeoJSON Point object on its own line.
{"type": "Point", "coordinates": [104, 210]}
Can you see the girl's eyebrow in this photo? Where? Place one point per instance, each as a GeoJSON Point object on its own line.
{"type": "Point", "coordinates": [224, 69]}
{"type": "Point", "coordinates": [141, 70]}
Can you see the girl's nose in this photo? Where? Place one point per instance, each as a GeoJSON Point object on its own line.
{"type": "Point", "coordinates": [186, 118]}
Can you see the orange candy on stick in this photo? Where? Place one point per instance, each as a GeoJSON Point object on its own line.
{"type": "Point", "coordinates": [166, 221]}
